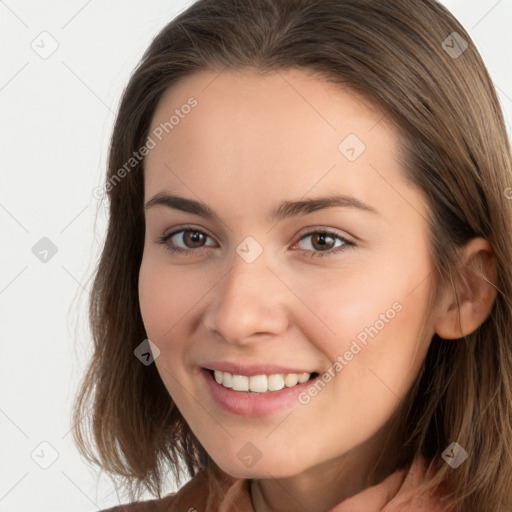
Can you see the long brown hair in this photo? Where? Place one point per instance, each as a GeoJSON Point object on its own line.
{"type": "Point", "coordinates": [403, 56]}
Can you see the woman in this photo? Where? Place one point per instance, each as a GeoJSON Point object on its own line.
{"type": "Point", "coordinates": [304, 293]}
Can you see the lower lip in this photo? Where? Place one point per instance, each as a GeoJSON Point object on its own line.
{"type": "Point", "coordinates": [253, 404]}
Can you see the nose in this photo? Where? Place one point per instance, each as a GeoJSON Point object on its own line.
{"type": "Point", "coordinates": [248, 303]}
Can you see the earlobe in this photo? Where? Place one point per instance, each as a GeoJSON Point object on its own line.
{"type": "Point", "coordinates": [462, 313]}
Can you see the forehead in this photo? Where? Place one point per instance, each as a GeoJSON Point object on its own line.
{"type": "Point", "coordinates": [282, 133]}
{"type": "Point", "coordinates": [264, 103]}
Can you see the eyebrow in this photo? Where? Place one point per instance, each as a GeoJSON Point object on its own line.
{"type": "Point", "coordinates": [284, 210]}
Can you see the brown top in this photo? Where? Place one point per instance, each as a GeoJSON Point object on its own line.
{"type": "Point", "coordinates": [397, 493]}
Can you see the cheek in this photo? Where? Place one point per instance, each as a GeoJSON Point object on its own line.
{"type": "Point", "coordinates": [372, 320]}
{"type": "Point", "coordinates": [166, 295]}
{"type": "Point", "coordinates": [346, 304]}
{"type": "Point", "coordinates": [369, 294]}
{"type": "Point", "coordinates": [375, 353]}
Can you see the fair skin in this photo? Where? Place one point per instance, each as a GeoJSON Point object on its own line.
{"type": "Point", "coordinates": [252, 142]}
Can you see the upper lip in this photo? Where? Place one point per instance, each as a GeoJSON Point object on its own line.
{"type": "Point", "coordinates": [250, 369]}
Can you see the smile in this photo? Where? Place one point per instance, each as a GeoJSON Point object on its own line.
{"type": "Point", "coordinates": [260, 383]}
{"type": "Point", "coordinates": [241, 399]}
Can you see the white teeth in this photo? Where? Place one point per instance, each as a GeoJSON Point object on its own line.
{"type": "Point", "coordinates": [291, 379]}
{"type": "Point", "coordinates": [227, 380]}
{"type": "Point", "coordinates": [304, 377]}
{"type": "Point", "coordinates": [240, 383]}
{"type": "Point", "coordinates": [260, 383]}
{"type": "Point", "coordinates": [275, 382]}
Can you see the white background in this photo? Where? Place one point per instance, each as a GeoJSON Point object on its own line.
{"type": "Point", "coordinates": [56, 118]}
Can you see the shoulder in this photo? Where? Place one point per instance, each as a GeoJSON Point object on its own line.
{"type": "Point", "coordinates": [192, 495]}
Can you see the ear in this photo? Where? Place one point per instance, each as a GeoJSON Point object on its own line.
{"type": "Point", "coordinates": [475, 294]}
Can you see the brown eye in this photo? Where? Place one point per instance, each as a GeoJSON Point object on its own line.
{"type": "Point", "coordinates": [323, 243]}
{"type": "Point", "coordinates": [186, 240]}
{"type": "Point", "coordinates": [193, 239]}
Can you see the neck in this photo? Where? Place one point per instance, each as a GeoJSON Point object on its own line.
{"type": "Point", "coordinates": [324, 486]}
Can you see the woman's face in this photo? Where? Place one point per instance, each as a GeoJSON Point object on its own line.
{"type": "Point", "coordinates": [273, 281]}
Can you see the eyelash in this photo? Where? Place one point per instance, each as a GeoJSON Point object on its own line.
{"type": "Point", "coordinates": [314, 254]}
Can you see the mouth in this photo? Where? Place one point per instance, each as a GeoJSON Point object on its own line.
{"type": "Point", "coordinates": [259, 384]}
{"type": "Point", "coordinates": [256, 396]}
